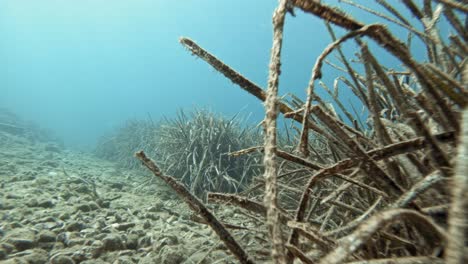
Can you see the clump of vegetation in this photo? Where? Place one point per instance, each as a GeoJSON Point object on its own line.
{"type": "Point", "coordinates": [194, 147]}
{"type": "Point", "coordinates": [394, 191]}
{"type": "Point", "coordinates": [131, 136]}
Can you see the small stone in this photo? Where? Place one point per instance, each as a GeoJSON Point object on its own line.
{"type": "Point", "coordinates": [132, 241]}
{"type": "Point", "coordinates": [21, 243]}
{"type": "Point", "coordinates": [75, 226]}
{"type": "Point", "coordinates": [76, 241]}
{"type": "Point", "coordinates": [112, 242]}
{"type": "Point", "coordinates": [61, 259]}
{"type": "Point", "coordinates": [171, 255]}
{"type": "Point", "coordinates": [147, 224]}
{"type": "Point", "coordinates": [7, 247]}
{"type": "Point", "coordinates": [36, 256]}
{"type": "Point", "coordinates": [32, 203]}
{"type": "Point", "coordinates": [21, 238]}
{"type": "Point", "coordinates": [3, 254]}
{"type": "Point", "coordinates": [87, 207]}
{"type": "Point", "coordinates": [45, 204]}
{"type": "Point", "coordinates": [46, 236]}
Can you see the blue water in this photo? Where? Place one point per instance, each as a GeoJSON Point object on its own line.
{"type": "Point", "coordinates": [81, 68]}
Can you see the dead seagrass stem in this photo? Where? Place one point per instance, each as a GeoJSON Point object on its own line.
{"type": "Point", "coordinates": [271, 110]}
{"type": "Point", "coordinates": [243, 82]}
{"type": "Point", "coordinates": [353, 242]}
{"type": "Point", "coordinates": [458, 215]}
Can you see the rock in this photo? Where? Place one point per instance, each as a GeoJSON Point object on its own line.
{"type": "Point", "coordinates": [87, 207]}
{"type": "Point", "coordinates": [15, 261]}
{"type": "Point", "coordinates": [76, 241]}
{"type": "Point", "coordinates": [75, 226]}
{"type": "Point", "coordinates": [46, 236]}
{"type": "Point", "coordinates": [32, 202]}
{"type": "Point", "coordinates": [61, 259]}
{"type": "Point", "coordinates": [171, 255]}
{"type": "Point", "coordinates": [21, 238]}
{"type": "Point", "coordinates": [147, 224]}
{"type": "Point", "coordinates": [45, 204]}
{"type": "Point", "coordinates": [123, 260]}
{"type": "Point", "coordinates": [132, 241]}
{"type": "Point", "coordinates": [22, 243]}
{"type": "Point", "coordinates": [7, 247]}
{"type": "Point", "coordinates": [113, 242]}
{"type": "Point", "coordinates": [3, 254]}
{"type": "Point", "coordinates": [36, 256]}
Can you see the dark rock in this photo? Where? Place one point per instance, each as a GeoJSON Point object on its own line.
{"type": "Point", "coordinates": [132, 241]}
{"type": "Point", "coordinates": [21, 238]}
{"type": "Point", "coordinates": [61, 259]}
{"type": "Point", "coordinates": [7, 247]}
{"type": "Point", "coordinates": [147, 224]}
{"type": "Point", "coordinates": [87, 207]}
{"type": "Point", "coordinates": [32, 202]}
{"type": "Point", "coordinates": [113, 242]}
{"type": "Point", "coordinates": [46, 236]}
{"type": "Point", "coordinates": [124, 226]}
{"type": "Point", "coordinates": [16, 260]}
{"type": "Point", "coordinates": [76, 241]}
{"type": "Point", "coordinates": [36, 256]}
{"type": "Point", "coordinates": [75, 226]}
{"type": "Point", "coordinates": [117, 185]}
{"type": "Point", "coordinates": [45, 204]}
{"type": "Point", "coordinates": [13, 196]}
{"type": "Point", "coordinates": [21, 243]}
{"type": "Point", "coordinates": [171, 255]}
{"type": "Point", "coordinates": [123, 260]}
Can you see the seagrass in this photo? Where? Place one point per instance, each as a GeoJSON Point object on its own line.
{"type": "Point", "coordinates": [389, 190]}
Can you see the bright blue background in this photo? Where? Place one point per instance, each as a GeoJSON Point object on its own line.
{"type": "Point", "coordinates": [83, 67]}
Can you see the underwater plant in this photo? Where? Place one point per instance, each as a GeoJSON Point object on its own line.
{"type": "Point", "coordinates": [392, 192]}
{"type": "Point", "coordinates": [193, 146]}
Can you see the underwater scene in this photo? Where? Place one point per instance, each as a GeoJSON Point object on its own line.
{"type": "Point", "coordinates": [233, 131]}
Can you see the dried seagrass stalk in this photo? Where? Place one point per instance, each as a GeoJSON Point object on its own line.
{"type": "Point", "coordinates": [404, 260]}
{"type": "Point", "coordinates": [317, 74]}
{"type": "Point", "coordinates": [457, 5]}
{"type": "Point", "coordinates": [199, 208]}
{"type": "Point", "coordinates": [314, 235]}
{"type": "Point", "coordinates": [439, 157]}
{"type": "Point", "coordinates": [350, 244]}
{"type": "Point", "coordinates": [382, 179]}
{"type": "Point", "coordinates": [456, 24]}
{"type": "Point", "coordinates": [418, 188]}
{"type": "Point", "coordinates": [243, 82]}
{"type": "Point", "coordinates": [352, 73]}
{"type": "Point", "coordinates": [374, 109]}
{"type": "Point", "coordinates": [413, 8]}
{"type": "Point", "coordinates": [271, 110]}
{"type": "Point", "coordinates": [386, 40]}
{"type": "Point", "coordinates": [299, 254]}
{"type": "Point", "coordinates": [458, 215]}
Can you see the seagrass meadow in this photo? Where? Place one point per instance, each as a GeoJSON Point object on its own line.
{"type": "Point", "coordinates": [390, 190]}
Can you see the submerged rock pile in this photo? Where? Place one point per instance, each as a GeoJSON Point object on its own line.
{"type": "Point", "coordinates": [59, 206]}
